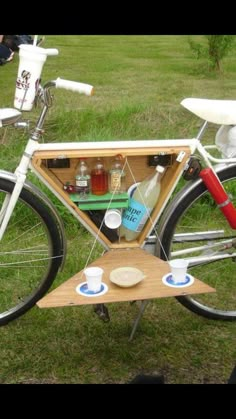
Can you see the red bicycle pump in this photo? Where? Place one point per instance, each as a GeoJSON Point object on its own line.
{"type": "Point", "coordinates": [220, 196]}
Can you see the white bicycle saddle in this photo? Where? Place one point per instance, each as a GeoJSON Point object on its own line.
{"type": "Point", "coordinates": [8, 116]}
{"type": "Point", "coordinates": [222, 112]}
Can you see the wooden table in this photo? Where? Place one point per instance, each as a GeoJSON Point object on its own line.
{"type": "Point", "coordinates": [150, 287]}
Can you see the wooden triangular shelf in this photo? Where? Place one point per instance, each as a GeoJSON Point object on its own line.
{"type": "Point", "coordinates": [149, 288]}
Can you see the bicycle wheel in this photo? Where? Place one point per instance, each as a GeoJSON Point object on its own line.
{"type": "Point", "coordinates": [197, 230]}
{"type": "Point", "coordinates": [30, 254]}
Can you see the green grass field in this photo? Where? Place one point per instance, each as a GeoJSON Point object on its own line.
{"type": "Point", "coordinates": [139, 83]}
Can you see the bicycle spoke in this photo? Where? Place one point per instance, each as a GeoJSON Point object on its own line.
{"type": "Point", "coordinates": [28, 260]}
{"type": "Point", "coordinates": [199, 232]}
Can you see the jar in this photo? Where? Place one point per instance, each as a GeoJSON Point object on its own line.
{"type": "Point", "coordinates": [116, 179]}
{"type": "Point", "coordinates": [82, 178]}
{"type": "Point", "coordinates": [99, 178]}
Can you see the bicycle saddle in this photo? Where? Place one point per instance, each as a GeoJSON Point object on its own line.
{"type": "Point", "coordinates": [8, 116]}
{"type": "Point", "coordinates": [222, 112]}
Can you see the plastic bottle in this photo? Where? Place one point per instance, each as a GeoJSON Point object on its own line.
{"type": "Point", "coordinates": [116, 179]}
{"type": "Point", "coordinates": [82, 178]}
{"type": "Point", "coordinates": [99, 178]}
{"type": "Point", "coordinates": [141, 205]}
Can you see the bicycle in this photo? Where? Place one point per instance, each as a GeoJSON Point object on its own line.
{"type": "Point", "coordinates": [191, 224]}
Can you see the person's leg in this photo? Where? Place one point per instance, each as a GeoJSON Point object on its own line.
{"type": "Point", "coordinates": [5, 53]}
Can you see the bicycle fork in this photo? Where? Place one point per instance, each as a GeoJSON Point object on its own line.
{"type": "Point", "coordinates": [219, 195]}
{"type": "Point", "coordinates": [11, 199]}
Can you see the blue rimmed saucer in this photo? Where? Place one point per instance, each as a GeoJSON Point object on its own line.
{"type": "Point", "coordinates": [82, 289]}
{"type": "Point", "coordinates": [168, 280]}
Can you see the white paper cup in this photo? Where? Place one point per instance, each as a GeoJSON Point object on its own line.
{"type": "Point", "coordinates": [178, 269]}
{"type": "Point", "coordinates": [31, 61]}
{"type": "Point", "coordinates": [94, 278]}
{"type": "Point", "coordinates": [112, 218]}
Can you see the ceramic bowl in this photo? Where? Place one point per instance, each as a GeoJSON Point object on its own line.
{"type": "Point", "coordinates": [126, 276]}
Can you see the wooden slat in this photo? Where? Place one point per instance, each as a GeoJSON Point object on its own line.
{"type": "Point", "coordinates": [150, 287]}
{"type": "Point", "coordinates": [108, 152]}
{"type": "Point", "coordinates": [138, 164]}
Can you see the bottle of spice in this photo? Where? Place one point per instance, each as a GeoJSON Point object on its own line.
{"type": "Point", "coordinates": [117, 176]}
{"type": "Point", "coordinates": [82, 178]}
{"type": "Point", "coordinates": [99, 178]}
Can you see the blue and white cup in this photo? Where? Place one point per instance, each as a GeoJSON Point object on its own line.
{"type": "Point", "coordinates": [93, 276]}
{"type": "Point", "coordinates": [178, 270]}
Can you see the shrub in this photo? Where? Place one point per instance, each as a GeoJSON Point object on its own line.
{"type": "Point", "coordinates": [218, 46]}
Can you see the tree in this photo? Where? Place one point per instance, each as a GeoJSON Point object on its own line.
{"type": "Point", "coordinates": [218, 46]}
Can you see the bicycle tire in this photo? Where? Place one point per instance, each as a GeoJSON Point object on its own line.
{"type": "Point", "coordinates": [31, 254]}
{"type": "Point", "coordinates": [197, 212]}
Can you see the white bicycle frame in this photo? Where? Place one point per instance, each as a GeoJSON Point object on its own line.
{"type": "Point", "coordinates": [33, 145]}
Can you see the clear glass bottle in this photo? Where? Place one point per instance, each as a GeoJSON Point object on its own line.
{"type": "Point", "coordinates": [82, 178]}
{"type": "Point", "coordinates": [116, 179]}
{"type": "Point", "coordinates": [141, 205]}
{"type": "Point", "coordinates": [99, 178]}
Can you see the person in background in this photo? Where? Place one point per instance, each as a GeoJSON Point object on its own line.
{"type": "Point", "coordinates": [6, 54]}
{"type": "Point", "coordinates": [13, 41]}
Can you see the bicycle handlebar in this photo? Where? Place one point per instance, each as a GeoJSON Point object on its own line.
{"type": "Point", "coordinates": [51, 51]}
{"type": "Point", "coordinates": [74, 86]}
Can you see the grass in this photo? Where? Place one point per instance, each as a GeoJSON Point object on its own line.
{"type": "Point", "coordinates": [139, 82]}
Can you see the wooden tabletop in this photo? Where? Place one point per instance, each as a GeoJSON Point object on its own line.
{"type": "Point", "coordinates": [150, 287]}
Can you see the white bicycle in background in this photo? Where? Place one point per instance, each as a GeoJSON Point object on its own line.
{"type": "Point", "coordinates": [198, 223]}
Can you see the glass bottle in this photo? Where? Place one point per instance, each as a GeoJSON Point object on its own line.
{"type": "Point", "coordinates": [82, 178]}
{"type": "Point", "coordinates": [116, 179]}
{"type": "Point", "coordinates": [99, 178]}
{"type": "Point", "coordinates": [141, 205]}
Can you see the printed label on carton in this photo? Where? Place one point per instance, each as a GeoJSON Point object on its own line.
{"type": "Point", "coordinates": [135, 216]}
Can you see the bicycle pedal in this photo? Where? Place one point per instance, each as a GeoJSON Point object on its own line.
{"type": "Point", "coordinates": [102, 312]}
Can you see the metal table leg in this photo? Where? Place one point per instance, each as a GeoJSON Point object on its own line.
{"type": "Point", "coordinates": [137, 320]}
